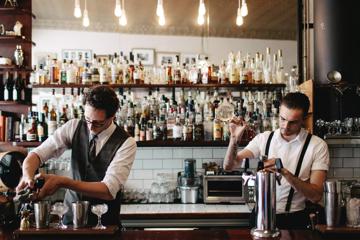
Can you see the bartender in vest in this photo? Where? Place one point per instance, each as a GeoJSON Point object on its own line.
{"type": "Point", "coordinates": [297, 149]}
{"type": "Point", "coordinates": [101, 157]}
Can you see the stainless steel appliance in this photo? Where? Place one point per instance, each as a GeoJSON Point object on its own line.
{"type": "Point", "coordinates": [224, 188]}
{"type": "Point", "coordinates": [265, 209]}
{"type": "Point", "coordinates": [227, 187]}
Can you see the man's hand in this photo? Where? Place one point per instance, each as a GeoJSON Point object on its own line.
{"type": "Point", "coordinates": [237, 127]}
{"type": "Point", "coordinates": [25, 182]}
{"type": "Point", "coordinates": [52, 184]}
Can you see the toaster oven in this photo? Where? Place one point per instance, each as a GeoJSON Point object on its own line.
{"type": "Point", "coordinates": [224, 189]}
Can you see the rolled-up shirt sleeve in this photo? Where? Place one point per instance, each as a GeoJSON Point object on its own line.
{"type": "Point", "coordinates": [119, 168]}
{"type": "Point", "coordinates": [321, 157]}
{"type": "Point", "coordinates": [57, 143]}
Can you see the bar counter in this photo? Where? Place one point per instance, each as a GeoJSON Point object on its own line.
{"type": "Point", "coordinates": [226, 234]}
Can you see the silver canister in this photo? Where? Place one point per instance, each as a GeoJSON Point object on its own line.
{"type": "Point", "coordinates": [42, 214]}
{"type": "Point", "coordinates": [80, 211]}
{"type": "Point", "coordinates": [265, 205]}
{"type": "Point", "coordinates": [189, 194]}
{"type": "Point", "coordinates": [332, 203]}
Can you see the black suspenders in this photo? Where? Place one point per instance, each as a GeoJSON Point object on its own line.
{"type": "Point", "coordinates": [298, 167]}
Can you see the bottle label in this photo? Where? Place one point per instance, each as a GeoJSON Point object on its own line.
{"type": "Point", "coordinates": [30, 137]}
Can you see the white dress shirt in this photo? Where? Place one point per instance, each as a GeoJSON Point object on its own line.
{"type": "Point", "coordinates": [119, 168]}
{"type": "Point", "coordinates": [316, 158]}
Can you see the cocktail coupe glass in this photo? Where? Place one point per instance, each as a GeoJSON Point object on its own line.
{"type": "Point", "coordinates": [99, 210]}
{"type": "Point", "coordinates": [60, 209]}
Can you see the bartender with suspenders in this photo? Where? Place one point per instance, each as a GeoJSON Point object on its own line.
{"type": "Point", "coordinates": [305, 158]}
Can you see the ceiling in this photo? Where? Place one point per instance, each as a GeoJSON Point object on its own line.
{"type": "Point", "coordinates": [267, 19]}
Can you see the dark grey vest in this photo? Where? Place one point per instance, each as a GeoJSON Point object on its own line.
{"type": "Point", "coordinates": [83, 170]}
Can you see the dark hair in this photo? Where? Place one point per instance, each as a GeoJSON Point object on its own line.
{"type": "Point", "coordinates": [103, 98]}
{"type": "Point", "coordinates": [296, 100]}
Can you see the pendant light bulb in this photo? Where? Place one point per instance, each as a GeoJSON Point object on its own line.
{"type": "Point", "coordinates": [122, 19]}
{"type": "Point", "coordinates": [202, 8]}
{"type": "Point", "coordinates": [160, 9]}
{"type": "Point", "coordinates": [244, 9]}
{"type": "Point", "coordinates": [86, 20]}
{"type": "Point", "coordinates": [117, 10]}
{"type": "Point", "coordinates": [201, 19]}
{"type": "Point", "coordinates": [77, 9]}
{"type": "Point", "coordinates": [239, 18]}
{"type": "Point", "coordinates": [162, 20]}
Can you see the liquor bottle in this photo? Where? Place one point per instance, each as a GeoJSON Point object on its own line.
{"type": "Point", "coordinates": [177, 71]}
{"type": "Point", "coordinates": [130, 126]}
{"type": "Point", "coordinates": [103, 73]}
{"type": "Point", "coordinates": [244, 73]}
{"type": "Point", "coordinates": [143, 128]}
{"type": "Point", "coordinates": [208, 129]}
{"type": "Point", "coordinates": [258, 71]}
{"type": "Point", "coordinates": [177, 130]}
{"type": "Point", "coordinates": [198, 127]}
{"type": "Point", "coordinates": [8, 92]}
{"type": "Point", "coordinates": [42, 76]}
{"type": "Point", "coordinates": [54, 72]}
{"type": "Point", "coordinates": [267, 67]}
{"type": "Point", "coordinates": [22, 128]}
{"type": "Point", "coordinates": [63, 117]}
{"type": "Point", "coordinates": [31, 134]}
{"type": "Point", "coordinates": [71, 72]}
{"type": "Point", "coordinates": [222, 73]}
{"type": "Point", "coordinates": [232, 69]}
{"type": "Point", "coordinates": [217, 130]}
{"type": "Point", "coordinates": [187, 130]}
{"type": "Point", "coordinates": [149, 131]}
{"type": "Point", "coordinates": [42, 128]}
{"type": "Point", "coordinates": [63, 70]}
{"type": "Point", "coordinates": [95, 77]}
{"type": "Point", "coordinates": [280, 77]}
{"type": "Point", "coordinates": [52, 121]}
{"type": "Point", "coordinates": [2, 87]}
{"type": "Point", "coordinates": [168, 73]}
{"type": "Point", "coordinates": [137, 132]}
{"type": "Point", "coordinates": [19, 93]}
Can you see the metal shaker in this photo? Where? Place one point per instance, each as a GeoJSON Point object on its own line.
{"type": "Point", "coordinates": [42, 214]}
{"type": "Point", "coordinates": [332, 203]}
{"type": "Point", "coordinates": [80, 211]}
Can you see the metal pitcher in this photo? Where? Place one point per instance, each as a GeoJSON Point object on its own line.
{"type": "Point", "coordinates": [265, 207]}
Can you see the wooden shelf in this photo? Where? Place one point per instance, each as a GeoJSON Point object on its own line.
{"type": "Point", "coordinates": [6, 68]}
{"type": "Point", "coordinates": [210, 85]}
{"type": "Point", "coordinates": [26, 144]}
{"type": "Point", "coordinates": [12, 106]}
{"type": "Point", "coordinates": [14, 10]}
{"type": "Point", "coordinates": [155, 143]}
{"type": "Point", "coordinates": [15, 39]}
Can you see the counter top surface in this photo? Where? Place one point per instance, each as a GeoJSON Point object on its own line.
{"type": "Point", "coordinates": [183, 235]}
{"type": "Point", "coordinates": [128, 209]}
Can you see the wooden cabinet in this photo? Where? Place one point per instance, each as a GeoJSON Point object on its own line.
{"type": "Point", "coordinates": [9, 15]}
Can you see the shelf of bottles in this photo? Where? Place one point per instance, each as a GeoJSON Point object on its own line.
{"type": "Point", "coordinates": [195, 114]}
{"type": "Point", "coordinates": [153, 143]}
{"type": "Point", "coordinates": [248, 86]}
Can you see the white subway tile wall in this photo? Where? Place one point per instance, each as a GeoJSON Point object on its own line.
{"type": "Point", "coordinates": [149, 161]}
{"type": "Point", "coordinates": [344, 162]}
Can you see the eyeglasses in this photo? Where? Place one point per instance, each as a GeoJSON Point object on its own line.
{"type": "Point", "coordinates": [96, 124]}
